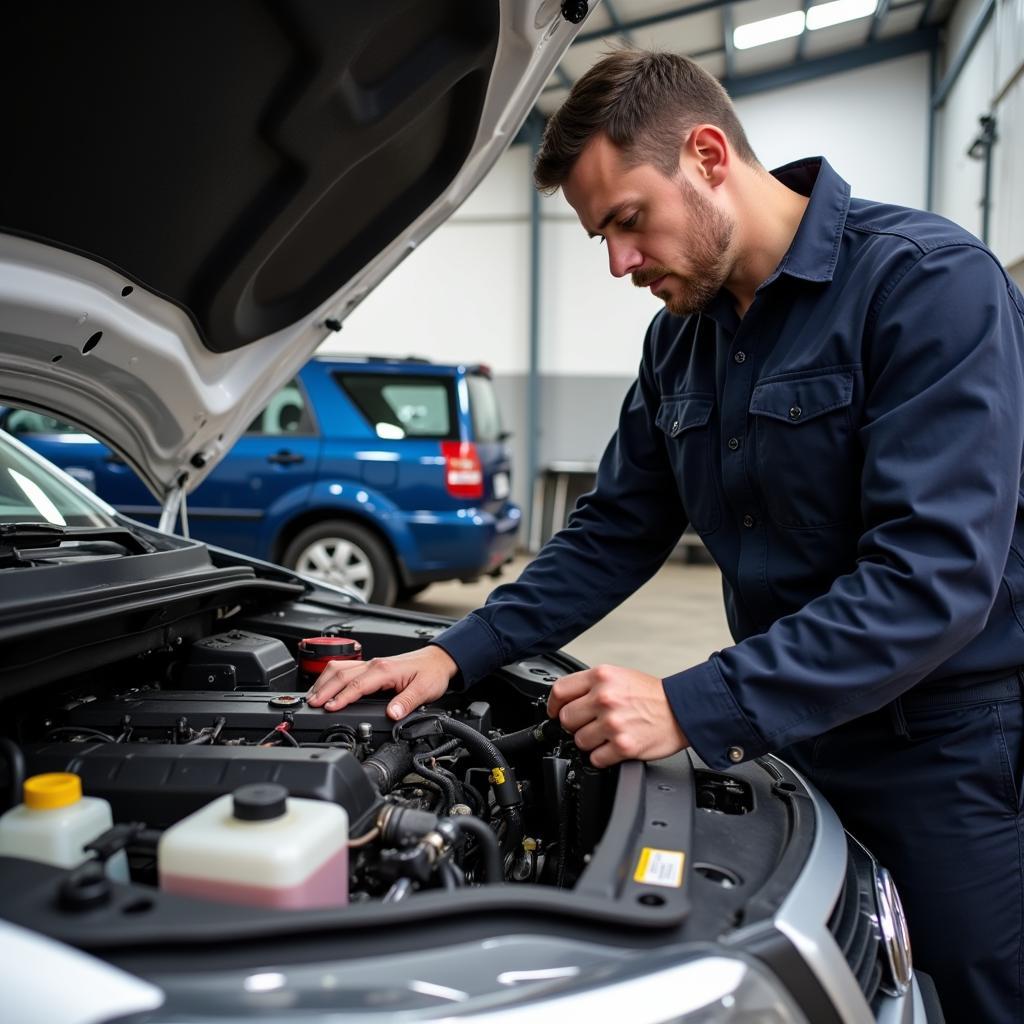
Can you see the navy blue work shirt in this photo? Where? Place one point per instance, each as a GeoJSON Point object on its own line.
{"type": "Point", "coordinates": [850, 452]}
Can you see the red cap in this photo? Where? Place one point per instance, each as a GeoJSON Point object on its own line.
{"type": "Point", "coordinates": [330, 647]}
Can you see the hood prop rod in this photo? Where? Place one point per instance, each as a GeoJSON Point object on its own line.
{"type": "Point", "coordinates": [174, 506]}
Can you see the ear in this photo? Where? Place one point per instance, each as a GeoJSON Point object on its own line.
{"type": "Point", "coordinates": [706, 149]}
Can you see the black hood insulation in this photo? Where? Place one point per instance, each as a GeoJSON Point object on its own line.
{"type": "Point", "coordinates": [245, 158]}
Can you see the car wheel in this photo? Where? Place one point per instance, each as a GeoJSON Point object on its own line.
{"type": "Point", "coordinates": [345, 554]}
{"type": "Point", "coordinates": [408, 593]}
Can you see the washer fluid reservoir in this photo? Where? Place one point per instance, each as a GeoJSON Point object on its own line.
{"type": "Point", "coordinates": [261, 847]}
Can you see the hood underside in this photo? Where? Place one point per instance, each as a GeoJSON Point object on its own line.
{"type": "Point", "coordinates": [190, 192]}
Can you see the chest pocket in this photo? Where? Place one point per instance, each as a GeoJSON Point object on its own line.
{"type": "Point", "coordinates": [806, 464]}
{"type": "Point", "coordinates": [685, 422]}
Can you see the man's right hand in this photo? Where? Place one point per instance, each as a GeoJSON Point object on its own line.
{"type": "Point", "coordinates": [419, 677]}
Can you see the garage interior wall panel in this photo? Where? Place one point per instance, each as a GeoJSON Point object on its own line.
{"type": "Point", "coordinates": [991, 82]}
{"type": "Point", "coordinates": [1008, 104]}
{"type": "Point", "coordinates": [871, 125]}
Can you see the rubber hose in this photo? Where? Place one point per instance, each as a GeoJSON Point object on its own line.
{"type": "Point", "coordinates": [486, 840]}
{"type": "Point", "coordinates": [513, 830]}
{"type": "Point", "coordinates": [388, 765]}
{"type": "Point", "coordinates": [16, 766]}
{"type": "Point", "coordinates": [446, 785]}
{"type": "Point", "coordinates": [448, 877]}
{"type": "Point", "coordinates": [535, 738]}
{"type": "Point", "coordinates": [505, 788]}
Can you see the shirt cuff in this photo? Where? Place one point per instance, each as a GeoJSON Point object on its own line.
{"type": "Point", "coordinates": [711, 719]}
{"type": "Point", "coordinates": [472, 645]}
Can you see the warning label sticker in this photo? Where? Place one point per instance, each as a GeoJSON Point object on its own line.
{"type": "Point", "coordinates": [660, 867]}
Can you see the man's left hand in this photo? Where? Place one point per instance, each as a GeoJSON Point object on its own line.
{"type": "Point", "coordinates": [618, 714]}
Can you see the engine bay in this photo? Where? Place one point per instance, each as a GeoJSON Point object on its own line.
{"type": "Point", "coordinates": [473, 811]}
{"type": "Point", "coordinates": [443, 799]}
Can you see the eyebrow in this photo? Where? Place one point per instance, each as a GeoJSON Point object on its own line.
{"type": "Point", "coordinates": [607, 219]}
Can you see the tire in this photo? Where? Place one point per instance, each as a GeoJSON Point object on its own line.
{"type": "Point", "coordinates": [345, 554]}
{"type": "Point", "coordinates": [408, 593]}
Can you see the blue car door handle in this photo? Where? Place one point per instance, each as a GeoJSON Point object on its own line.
{"type": "Point", "coordinates": [286, 458]}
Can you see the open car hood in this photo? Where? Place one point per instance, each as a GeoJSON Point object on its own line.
{"type": "Point", "coordinates": [193, 196]}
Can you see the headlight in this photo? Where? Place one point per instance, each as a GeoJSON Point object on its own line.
{"type": "Point", "coordinates": [709, 990]}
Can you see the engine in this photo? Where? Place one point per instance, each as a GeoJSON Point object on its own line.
{"type": "Point", "coordinates": [444, 799]}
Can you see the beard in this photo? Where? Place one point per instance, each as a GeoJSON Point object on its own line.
{"type": "Point", "coordinates": [707, 255]}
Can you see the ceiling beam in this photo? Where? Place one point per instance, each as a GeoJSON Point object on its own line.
{"type": "Point", "coordinates": [974, 33]}
{"type": "Point", "coordinates": [870, 53]}
{"type": "Point", "coordinates": [926, 13]}
{"type": "Point", "coordinates": [876, 21]}
{"type": "Point", "coordinates": [713, 51]}
{"type": "Point", "coordinates": [801, 40]}
{"type": "Point", "coordinates": [617, 25]}
{"type": "Point", "coordinates": [728, 45]}
{"type": "Point", "coordinates": [651, 19]}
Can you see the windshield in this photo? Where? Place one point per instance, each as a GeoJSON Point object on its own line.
{"type": "Point", "coordinates": [32, 491]}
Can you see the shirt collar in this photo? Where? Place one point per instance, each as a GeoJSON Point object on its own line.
{"type": "Point", "coordinates": [813, 253]}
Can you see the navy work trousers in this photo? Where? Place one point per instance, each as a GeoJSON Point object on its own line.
{"type": "Point", "coordinates": [933, 785]}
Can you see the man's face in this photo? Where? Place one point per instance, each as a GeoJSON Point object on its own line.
{"type": "Point", "coordinates": [661, 231]}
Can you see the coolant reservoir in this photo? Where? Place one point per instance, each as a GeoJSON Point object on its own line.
{"type": "Point", "coordinates": [317, 652]}
{"type": "Point", "coordinates": [55, 822]}
{"type": "Point", "coordinates": [259, 846]}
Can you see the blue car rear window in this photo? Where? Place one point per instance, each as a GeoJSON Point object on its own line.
{"type": "Point", "coordinates": [403, 406]}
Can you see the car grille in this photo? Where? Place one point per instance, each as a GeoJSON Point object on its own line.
{"type": "Point", "coordinates": [854, 923]}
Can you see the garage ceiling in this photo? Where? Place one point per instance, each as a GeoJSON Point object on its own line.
{"type": "Point", "coordinates": [703, 30]}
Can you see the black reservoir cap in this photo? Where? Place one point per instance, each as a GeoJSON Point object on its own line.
{"type": "Point", "coordinates": [261, 801]}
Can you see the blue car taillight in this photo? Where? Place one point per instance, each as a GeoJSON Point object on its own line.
{"type": "Point", "coordinates": [463, 471]}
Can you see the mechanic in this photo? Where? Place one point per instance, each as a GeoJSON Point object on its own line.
{"type": "Point", "coordinates": [834, 398]}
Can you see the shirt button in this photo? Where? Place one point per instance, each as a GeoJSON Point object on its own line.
{"type": "Point", "coordinates": [733, 443]}
{"type": "Point", "coordinates": [735, 754]}
{"type": "Point", "coordinates": [740, 357]}
{"type": "Point", "coordinates": [675, 428]}
{"type": "Point", "coordinates": [795, 412]}
{"type": "Point", "coordinates": [748, 520]}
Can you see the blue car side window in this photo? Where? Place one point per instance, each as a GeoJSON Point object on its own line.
{"type": "Point", "coordinates": [286, 413]}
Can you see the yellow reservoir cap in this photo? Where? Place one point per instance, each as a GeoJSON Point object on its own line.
{"type": "Point", "coordinates": [52, 790]}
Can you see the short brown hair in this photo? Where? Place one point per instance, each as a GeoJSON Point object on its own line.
{"type": "Point", "coordinates": [645, 102]}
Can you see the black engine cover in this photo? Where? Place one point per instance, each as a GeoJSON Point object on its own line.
{"type": "Point", "coordinates": [159, 784]}
{"type": "Point", "coordinates": [155, 715]}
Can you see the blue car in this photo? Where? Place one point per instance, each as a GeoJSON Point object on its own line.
{"type": "Point", "coordinates": [382, 475]}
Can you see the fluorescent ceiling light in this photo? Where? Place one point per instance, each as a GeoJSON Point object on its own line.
{"type": "Point", "coordinates": [785, 26]}
{"type": "Point", "coordinates": [835, 13]}
{"type": "Point", "coordinates": [770, 30]}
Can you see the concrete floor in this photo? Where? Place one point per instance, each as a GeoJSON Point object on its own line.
{"type": "Point", "coordinates": [672, 622]}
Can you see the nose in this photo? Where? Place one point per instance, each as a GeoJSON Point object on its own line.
{"type": "Point", "coordinates": [623, 258]}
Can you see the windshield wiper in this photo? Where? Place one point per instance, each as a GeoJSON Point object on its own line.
{"type": "Point", "coordinates": [18, 537]}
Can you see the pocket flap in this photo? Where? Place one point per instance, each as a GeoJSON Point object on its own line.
{"type": "Point", "coordinates": [801, 399]}
{"type": "Point", "coordinates": [678, 414]}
